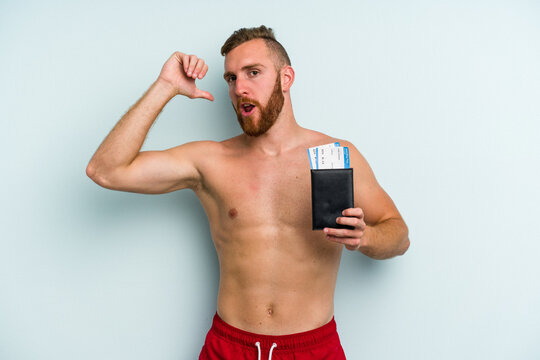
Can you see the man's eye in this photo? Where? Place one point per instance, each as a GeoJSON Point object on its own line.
{"type": "Point", "coordinates": [231, 79]}
{"type": "Point", "coordinates": [254, 72]}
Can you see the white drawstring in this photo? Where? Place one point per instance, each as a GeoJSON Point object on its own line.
{"type": "Point", "coordinates": [258, 345]}
{"type": "Point", "coordinates": [274, 345]}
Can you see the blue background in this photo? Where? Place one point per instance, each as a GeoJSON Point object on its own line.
{"type": "Point", "coordinates": [441, 97]}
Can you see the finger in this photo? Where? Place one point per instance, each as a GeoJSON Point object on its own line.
{"type": "Point", "coordinates": [352, 221]}
{"type": "Point", "coordinates": [353, 247]}
{"type": "Point", "coordinates": [203, 71]}
{"type": "Point", "coordinates": [178, 56]}
{"type": "Point", "coordinates": [350, 244]}
{"type": "Point", "coordinates": [201, 94]}
{"type": "Point", "coordinates": [189, 62]}
{"type": "Point", "coordinates": [192, 64]}
{"type": "Point", "coordinates": [356, 212]}
{"type": "Point", "coordinates": [185, 62]}
{"type": "Point", "coordinates": [198, 68]}
{"type": "Point", "coordinates": [340, 232]}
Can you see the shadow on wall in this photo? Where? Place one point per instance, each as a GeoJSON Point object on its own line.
{"type": "Point", "coordinates": [118, 209]}
{"type": "Point", "coordinates": [175, 221]}
{"type": "Point", "coordinates": [360, 271]}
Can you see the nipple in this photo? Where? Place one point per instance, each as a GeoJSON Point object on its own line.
{"type": "Point", "coordinates": [233, 213]}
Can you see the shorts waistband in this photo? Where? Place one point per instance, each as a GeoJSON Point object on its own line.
{"type": "Point", "coordinates": [285, 342]}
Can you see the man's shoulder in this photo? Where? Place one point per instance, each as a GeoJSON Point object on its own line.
{"type": "Point", "coordinates": [208, 149]}
{"type": "Point", "coordinates": [232, 142]}
{"type": "Point", "coordinates": [316, 138]}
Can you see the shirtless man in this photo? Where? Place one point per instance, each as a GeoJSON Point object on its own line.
{"type": "Point", "coordinates": [277, 275]}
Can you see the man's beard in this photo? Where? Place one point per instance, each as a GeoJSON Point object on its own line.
{"type": "Point", "coordinates": [268, 114]}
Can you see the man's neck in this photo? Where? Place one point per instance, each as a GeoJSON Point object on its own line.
{"type": "Point", "coordinates": [282, 136]}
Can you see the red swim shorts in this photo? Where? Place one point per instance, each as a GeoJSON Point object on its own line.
{"type": "Point", "coordinates": [225, 342]}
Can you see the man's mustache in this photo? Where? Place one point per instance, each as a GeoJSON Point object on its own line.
{"type": "Point", "coordinates": [247, 100]}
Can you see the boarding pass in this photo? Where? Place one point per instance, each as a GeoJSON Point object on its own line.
{"type": "Point", "coordinates": [329, 156]}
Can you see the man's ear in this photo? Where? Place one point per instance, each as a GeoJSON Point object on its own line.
{"type": "Point", "coordinates": [287, 78]}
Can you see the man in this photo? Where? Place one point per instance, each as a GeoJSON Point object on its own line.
{"type": "Point", "coordinates": [277, 275]}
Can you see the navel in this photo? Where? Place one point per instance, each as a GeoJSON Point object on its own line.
{"type": "Point", "coordinates": [233, 213]}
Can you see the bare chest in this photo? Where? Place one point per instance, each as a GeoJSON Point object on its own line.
{"type": "Point", "coordinates": [255, 192]}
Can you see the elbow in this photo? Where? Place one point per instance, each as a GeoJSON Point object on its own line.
{"type": "Point", "coordinates": [90, 171]}
{"type": "Point", "coordinates": [405, 246]}
{"type": "Point", "coordinates": [405, 243]}
{"type": "Point", "coordinates": [96, 176]}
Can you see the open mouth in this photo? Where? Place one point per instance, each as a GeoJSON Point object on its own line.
{"type": "Point", "coordinates": [247, 109]}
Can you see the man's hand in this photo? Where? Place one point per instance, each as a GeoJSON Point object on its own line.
{"type": "Point", "coordinates": [352, 239]}
{"type": "Point", "coordinates": [181, 70]}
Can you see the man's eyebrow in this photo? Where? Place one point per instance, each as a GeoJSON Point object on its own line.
{"type": "Point", "coordinates": [247, 67]}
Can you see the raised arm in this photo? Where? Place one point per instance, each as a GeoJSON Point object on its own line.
{"type": "Point", "coordinates": [380, 231]}
{"type": "Point", "coordinates": [119, 164]}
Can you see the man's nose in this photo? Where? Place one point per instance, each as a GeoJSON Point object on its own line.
{"type": "Point", "coordinates": [241, 87]}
